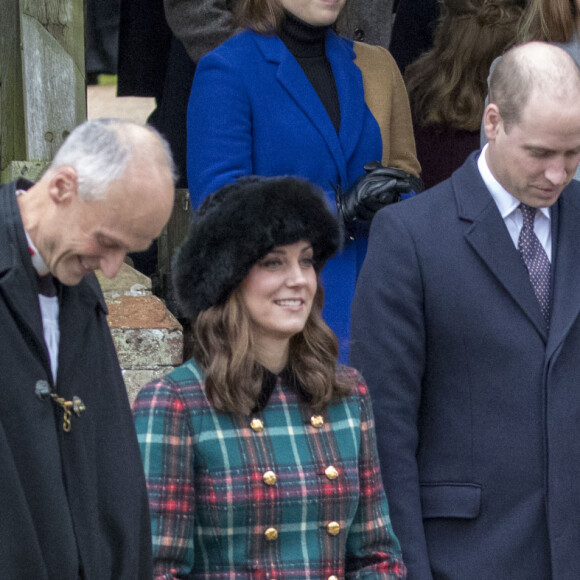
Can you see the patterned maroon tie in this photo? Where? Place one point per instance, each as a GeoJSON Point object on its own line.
{"type": "Point", "coordinates": [536, 260]}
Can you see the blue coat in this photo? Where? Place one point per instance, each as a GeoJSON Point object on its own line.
{"type": "Point", "coordinates": [477, 405]}
{"type": "Point", "coordinates": [252, 110]}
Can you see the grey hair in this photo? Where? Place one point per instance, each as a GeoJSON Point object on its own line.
{"type": "Point", "coordinates": [100, 150]}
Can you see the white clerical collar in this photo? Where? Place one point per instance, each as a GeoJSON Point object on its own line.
{"type": "Point", "coordinates": [505, 201]}
{"type": "Point", "coordinates": [37, 261]}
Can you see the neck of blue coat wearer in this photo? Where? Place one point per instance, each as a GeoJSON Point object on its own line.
{"type": "Point", "coordinates": [302, 39]}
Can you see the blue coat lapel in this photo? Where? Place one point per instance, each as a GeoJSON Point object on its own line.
{"type": "Point", "coordinates": [566, 266]}
{"type": "Point", "coordinates": [349, 87]}
{"type": "Point", "coordinates": [489, 238]}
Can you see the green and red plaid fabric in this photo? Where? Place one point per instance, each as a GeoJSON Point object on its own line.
{"type": "Point", "coordinates": [216, 516]}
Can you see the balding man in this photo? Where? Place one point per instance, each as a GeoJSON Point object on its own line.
{"type": "Point", "coordinates": [73, 503]}
{"type": "Point", "coordinates": [466, 326]}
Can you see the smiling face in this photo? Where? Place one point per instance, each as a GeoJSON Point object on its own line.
{"type": "Point", "coordinates": [79, 236]}
{"type": "Point", "coordinates": [315, 12]}
{"type": "Point", "coordinates": [278, 293]}
{"type": "Point", "coordinates": [536, 157]}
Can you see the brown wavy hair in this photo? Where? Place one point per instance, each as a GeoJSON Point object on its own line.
{"type": "Point", "coordinates": [262, 16]}
{"type": "Point", "coordinates": [223, 345]}
{"type": "Point", "coordinates": [548, 20]}
{"type": "Point", "coordinates": [447, 84]}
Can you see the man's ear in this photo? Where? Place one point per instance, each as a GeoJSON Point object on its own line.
{"type": "Point", "coordinates": [63, 184]}
{"type": "Point", "coordinates": [491, 121]}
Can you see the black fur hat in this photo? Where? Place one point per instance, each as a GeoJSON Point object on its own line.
{"type": "Point", "coordinates": [237, 226]}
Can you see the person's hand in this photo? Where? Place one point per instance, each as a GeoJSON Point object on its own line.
{"type": "Point", "coordinates": [377, 187]}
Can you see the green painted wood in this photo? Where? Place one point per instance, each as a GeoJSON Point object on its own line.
{"type": "Point", "coordinates": [44, 96]}
{"type": "Point", "coordinates": [31, 170]}
{"type": "Point", "coordinates": [172, 236]}
{"type": "Point", "coordinates": [12, 138]}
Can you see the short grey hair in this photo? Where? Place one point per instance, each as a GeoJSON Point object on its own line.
{"type": "Point", "coordinates": [101, 149]}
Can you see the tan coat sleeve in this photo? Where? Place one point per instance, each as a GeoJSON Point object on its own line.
{"type": "Point", "coordinates": [386, 97]}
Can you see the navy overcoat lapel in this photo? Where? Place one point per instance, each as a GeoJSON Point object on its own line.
{"type": "Point", "coordinates": [487, 234]}
{"type": "Point", "coordinates": [566, 266]}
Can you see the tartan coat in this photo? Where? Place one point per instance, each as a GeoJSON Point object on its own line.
{"type": "Point", "coordinates": [75, 500]}
{"type": "Point", "coordinates": [270, 495]}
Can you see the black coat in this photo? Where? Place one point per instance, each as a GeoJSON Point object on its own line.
{"type": "Point", "coordinates": [413, 30]}
{"type": "Point", "coordinates": [144, 43]}
{"type": "Point", "coordinates": [67, 500]}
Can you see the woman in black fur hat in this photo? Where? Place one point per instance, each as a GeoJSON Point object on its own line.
{"type": "Point", "coordinates": [260, 451]}
{"type": "Point", "coordinates": [288, 96]}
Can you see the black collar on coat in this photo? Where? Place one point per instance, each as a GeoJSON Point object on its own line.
{"type": "Point", "coordinates": [18, 283]}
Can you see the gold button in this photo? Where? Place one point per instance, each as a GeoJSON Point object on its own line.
{"type": "Point", "coordinates": [333, 528]}
{"type": "Point", "coordinates": [257, 424]}
{"type": "Point", "coordinates": [317, 421]}
{"type": "Point", "coordinates": [271, 534]}
{"type": "Point", "coordinates": [331, 472]}
{"type": "Point", "coordinates": [269, 478]}
{"type": "Point", "coordinates": [333, 577]}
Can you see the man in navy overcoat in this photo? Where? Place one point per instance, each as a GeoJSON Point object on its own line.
{"type": "Point", "coordinates": [476, 389]}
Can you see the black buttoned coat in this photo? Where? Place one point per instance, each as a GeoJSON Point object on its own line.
{"type": "Point", "coordinates": [367, 21]}
{"type": "Point", "coordinates": [68, 501]}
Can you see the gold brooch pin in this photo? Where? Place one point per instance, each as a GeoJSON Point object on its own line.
{"type": "Point", "coordinates": [76, 406]}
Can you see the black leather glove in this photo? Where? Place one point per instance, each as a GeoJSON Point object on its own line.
{"type": "Point", "coordinates": [379, 186]}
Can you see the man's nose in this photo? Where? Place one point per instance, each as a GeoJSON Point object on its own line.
{"type": "Point", "coordinates": [556, 172]}
{"type": "Point", "coordinates": [111, 263]}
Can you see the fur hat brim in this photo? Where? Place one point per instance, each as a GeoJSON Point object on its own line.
{"type": "Point", "coordinates": [237, 226]}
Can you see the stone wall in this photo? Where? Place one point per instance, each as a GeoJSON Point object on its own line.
{"type": "Point", "coordinates": [148, 338]}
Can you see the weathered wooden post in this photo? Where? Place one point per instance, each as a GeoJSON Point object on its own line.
{"type": "Point", "coordinates": [42, 99]}
{"type": "Point", "coordinates": [42, 82]}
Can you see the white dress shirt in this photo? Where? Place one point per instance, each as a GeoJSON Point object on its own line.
{"type": "Point", "coordinates": [49, 308]}
{"type": "Point", "coordinates": [508, 206]}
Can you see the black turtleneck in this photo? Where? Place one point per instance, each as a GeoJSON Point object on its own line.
{"type": "Point", "coordinates": [308, 46]}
